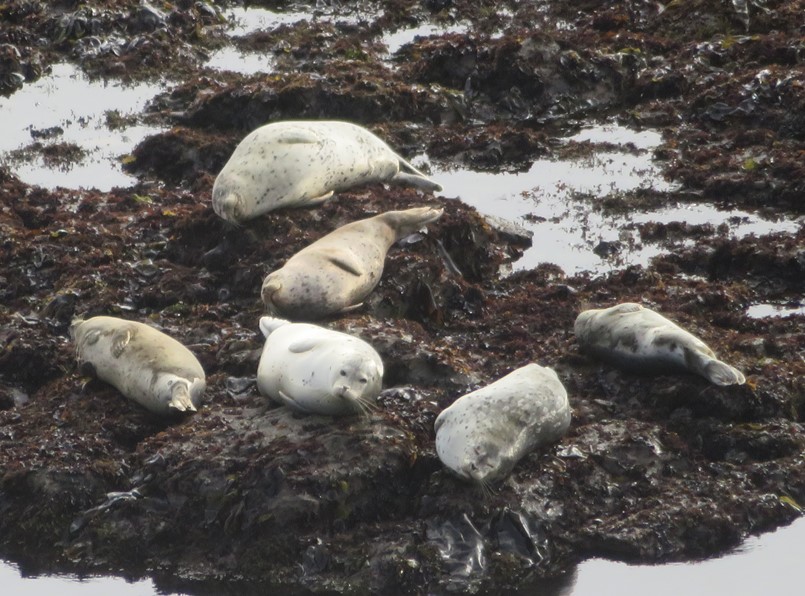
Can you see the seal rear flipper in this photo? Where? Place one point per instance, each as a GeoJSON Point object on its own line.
{"type": "Point", "coordinates": [270, 324]}
{"type": "Point", "coordinates": [417, 181]}
{"type": "Point", "coordinates": [721, 373]}
{"type": "Point", "coordinates": [180, 398]}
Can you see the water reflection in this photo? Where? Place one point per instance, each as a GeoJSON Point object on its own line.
{"type": "Point", "coordinates": [761, 565]}
{"type": "Point", "coordinates": [397, 39]}
{"type": "Point", "coordinates": [67, 108]}
{"type": "Point", "coordinates": [763, 311]}
{"type": "Point", "coordinates": [557, 200]}
{"type": "Point", "coordinates": [70, 585]}
{"type": "Point", "coordinates": [765, 564]}
{"type": "Point", "coordinates": [235, 60]}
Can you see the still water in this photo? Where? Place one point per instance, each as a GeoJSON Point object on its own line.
{"type": "Point", "coordinates": [762, 565]}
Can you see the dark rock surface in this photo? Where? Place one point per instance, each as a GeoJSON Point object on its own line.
{"type": "Point", "coordinates": [652, 469]}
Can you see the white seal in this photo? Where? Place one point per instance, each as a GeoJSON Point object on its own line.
{"type": "Point", "coordinates": [636, 338]}
{"type": "Point", "coordinates": [144, 364]}
{"type": "Point", "coordinates": [483, 434]}
{"type": "Point", "coordinates": [335, 273]}
{"type": "Point", "coordinates": [316, 370]}
{"type": "Point", "coordinates": [302, 163]}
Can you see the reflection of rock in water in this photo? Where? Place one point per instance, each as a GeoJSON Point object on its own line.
{"type": "Point", "coordinates": [461, 547]}
{"type": "Point", "coordinates": [465, 549]}
{"type": "Point", "coordinates": [521, 535]}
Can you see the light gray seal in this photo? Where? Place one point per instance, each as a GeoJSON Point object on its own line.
{"type": "Point", "coordinates": [483, 434]}
{"type": "Point", "coordinates": [302, 163]}
{"type": "Point", "coordinates": [636, 338]}
{"type": "Point", "coordinates": [336, 272]}
{"type": "Point", "coordinates": [316, 370]}
{"type": "Point", "coordinates": [144, 364]}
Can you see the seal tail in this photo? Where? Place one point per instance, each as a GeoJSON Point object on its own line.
{"type": "Point", "coordinates": [415, 177]}
{"type": "Point", "coordinates": [721, 373]}
{"type": "Point", "coordinates": [270, 324]}
{"type": "Point", "coordinates": [180, 398]}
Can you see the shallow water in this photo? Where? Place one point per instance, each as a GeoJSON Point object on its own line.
{"type": "Point", "coordinates": [15, 584]}
{"type": "Point", "coordinates": [761, 565]}
{"type": "Point", "coordinates": [251, 20]}
{"type": "Point", "coordinates": [764, 311]}
{"type": "Point", "coordinates": [246, 21]}
{"type": "Point", "coordinates": [556, 200]}
{"type": "Point", "coordinates": [397, 39]}
{"type": "Point", "coordinates": [67, 99]}
{"type": "Point", "coordinates": [247, 63]}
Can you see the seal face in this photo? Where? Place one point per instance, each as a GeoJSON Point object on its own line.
{"type": "Point", "coordinates": [302, 163]}
{"type": "Point", "coordinates": [144, 364]}
{"type": "Point", "coordinates": [338, 271]}
{"type": "Point", "coordinates": [316, 370]}
{"type": "Point", "coordinates": [483, 434]}
{"type": "Point", "coordinates": [636, 338]}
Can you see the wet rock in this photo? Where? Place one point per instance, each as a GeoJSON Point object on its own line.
{"type": "Point", "coordinates": [653, 468]}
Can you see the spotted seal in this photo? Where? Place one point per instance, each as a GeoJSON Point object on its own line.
{"type": "Point", "coordinates": [302, 163]}
{"type": "Point", "coordinates": [316, 370]}
{"type": "Point", "coordinates": [636, 338]}
{"type": "Point", "coordinates": [483, 434]}
{"type": "Point", "coordinates": [339, 270]}
{"type": "Point", "coordinates": [144, 364]}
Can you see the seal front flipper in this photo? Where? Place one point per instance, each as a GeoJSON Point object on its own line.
{"type": "Point", "coordinates": [627, 307]}
{"type": "Point", "coordinates": [288, 401]}
{"type": "Point", "coordinates": [303, 345]}
{"type": "Point", "coordinates": [296, 136]}
{"type": "Point", "coordinates": [347, 309]}
{"type": "Point", "coordinates": [121, 339]}
{"type": "Point", "coordinates": [318, 200]}
{"type": "Point", "coordinates": [347, 263]}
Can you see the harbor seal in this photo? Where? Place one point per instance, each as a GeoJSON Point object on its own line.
{"type": "Point", "coordinates": [636, 338]}
{"type": "Point", "coordinates": [302, 163]}
{"type": "Point", "coordinates": [483, 434]}
{"type": "Point", "coordinates": [144, 364]}
{"type": "Point", "coordinates": [318, 371]}
{"type": "Point", "coordinates": [336, 272]}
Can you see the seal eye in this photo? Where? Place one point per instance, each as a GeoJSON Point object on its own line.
{"type": "Point", "coordinates": [364, 381]}
{"type": "Point", "coordinates": [343, 373]}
